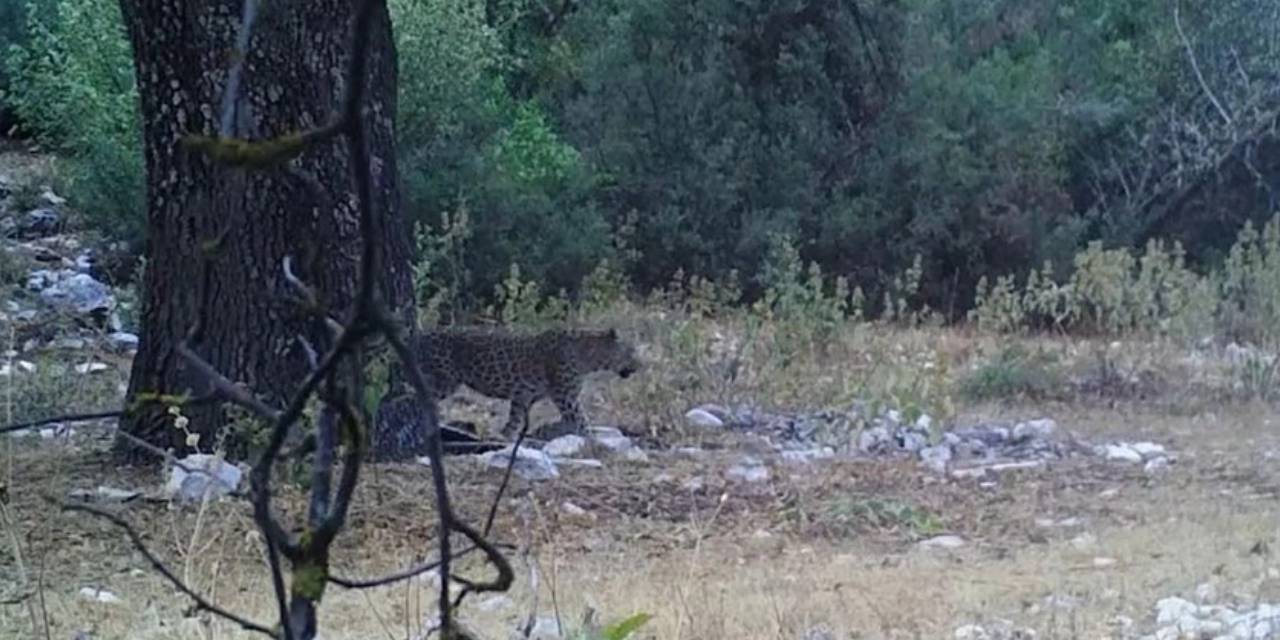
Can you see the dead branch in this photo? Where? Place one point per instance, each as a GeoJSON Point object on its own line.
{"type": "Point", "coordinates": [1195, 65]}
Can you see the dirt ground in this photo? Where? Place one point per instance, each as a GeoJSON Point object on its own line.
{"type": "Point", "coordinates": [1080, 549]}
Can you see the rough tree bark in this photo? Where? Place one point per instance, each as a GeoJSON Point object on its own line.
{"type": "Point", "coordinates": [217, 237]}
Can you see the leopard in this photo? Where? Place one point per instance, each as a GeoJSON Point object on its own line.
{"type": "Point", "coordinates": [522, 367]}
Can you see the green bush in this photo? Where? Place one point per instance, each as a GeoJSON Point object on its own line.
{"type": "Point", "coordinates": [1015, 372]}
{"type": "Point", "coordinates": [72, 81]}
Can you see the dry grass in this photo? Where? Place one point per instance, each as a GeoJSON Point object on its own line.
{"type": "Point", "coordinates": [729, 561]}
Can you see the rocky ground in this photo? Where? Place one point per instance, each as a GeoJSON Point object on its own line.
{"type": "Point", "coordinates": [1063, 520]}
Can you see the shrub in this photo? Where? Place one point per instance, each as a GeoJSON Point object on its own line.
{"type": "Point", "coordinates": [72, 81]}
{"type": "Point", "coordinates": [1015, 372]}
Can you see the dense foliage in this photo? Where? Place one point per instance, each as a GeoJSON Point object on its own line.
{"type": "Point", "coordinates": [666, 139]}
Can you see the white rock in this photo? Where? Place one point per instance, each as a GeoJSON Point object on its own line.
{"type": "Point", "coordinates": [1084, 541]}
{"type": "Point", "coordinates": [1206, 593]}
{"type": "Point", "coordinates": [78, 293]}
{"type": "Point", "coordinates": [1147, 449]}
{"type": "Point", "coordinates": [211, 476]}
{"type": "Point", "coordinates": [936, 457]}
{"type": "Point", "coordinates": [530, 464]}
{"type": "Point", "coordinates": [1156, 466]}
{"type": "Point", "coordinates": [971, 632]}
{"type": "Point", "coordinates": [123, 341]}
{"type": "Point", "coordinates": [1102, 562]}
{"type": "Point", "coordinates": [107, 494]}
{"type": "Point", "coordinates": [565, 446]}
{"type": "Point", "coordinates": [924, 422]}
{"type": "Point", "coordinates": [1034, 429]}
{"type": "Point", "coordinates": [1173, 610]}
{"type": "Point", "coordinates": [94, 594]}
{"type": "Point", "coordinates": [1121, 453]}
{"type": "Point", "coordinates": [495, 603]}
{"type": "Point", "coordinates": [971, 473]}
{"type": "Point", "coordinates": [805, 456]}
{"type": "Point", "coordinates": [942, 542]}
{"type": "Point", "coordinates": [870, 440]}
{"type": "Point", "coordinates": [913, 441]}
{"type": "Point", "coordinates": [702, 418]}
{"type": "Point", "coordinates": [750, 470]}
{"type": "Point", "coordinates": [546, 628]}
{"type": "Point", "coordinates": [91, 367]}
{"type": "Point", "coordinates": [635, 454]}
{"type": "Point", "coordinates": [590, 463]}
{"type": "Point", "coordinates": [610, 438]}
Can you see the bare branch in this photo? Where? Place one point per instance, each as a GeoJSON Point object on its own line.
{"type": "Point", "coordinates": [1195, 64]}
{"type": "Point", "coordinates": [229, 390]}
{"type": "Point", "coordinates": [71, 417]}
{"type": "Point", "coordinates": [370, 583]}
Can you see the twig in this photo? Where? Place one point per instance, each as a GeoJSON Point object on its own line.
{"type": "Point", "coordinates": [506, 478]}
{"type": "Point", "coordinates": [1195, 64]}
{"type": "Point", "coordinates": [229, 390]}
{"type": "Point", "coordinates": [160, 567]}
{"type": "Point", "coordinates": [73, 417]}
{"type": "Point", "coordinates": [370, 583]}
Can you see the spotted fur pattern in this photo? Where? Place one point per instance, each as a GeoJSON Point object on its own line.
{"type": "Point", "coordinates": [522, 368]}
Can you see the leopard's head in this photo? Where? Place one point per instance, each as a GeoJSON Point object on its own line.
{"type": "Point", "coordinates": [603, 350]}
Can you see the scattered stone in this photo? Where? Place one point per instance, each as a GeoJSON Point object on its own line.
{"type": "Point", "coordinates": [94, 594]}
{"type": "Point", "coordinates": [820, 632]}
{"type": "Point", "coordinates": [873, 439]}
{"type": "Point", "coordinates": [530, 464]}
{"type": "Point", "coordinates": [936, 457]}
{"type": "Point", "coordinates": [210, 476]}
{"type": "Point", "coordinates": [92, 367]}
{"type": "Point", "coordinates": [122, 341]}
{"type": "Point", "coordinates": [694, 484]}
{"type": "Point", "coordinates": [1156, 466]}
{"type": "Point", "coordinates": [1016, 466]}
{"type": "Point", "coordinates": [590, 463]}
{"type": "Point", "coordinates": [942, 542]}
{"type": "Point", "coordinates": [702, 418]}
{"type": "Point", "coordinates": [70, 292]}
{"type": "Point", "coordinates": [690, 452]}
{"type": "Point", "coordinates": [1147, 450]}
{"type": "Point", "coordinates": [495, 603]}
{"type": "Point", "coordinates": [1206, 593]}
{"type": "Point", "coordinates": [912, 441]}
{"type": "Point", "coordinates": [1120, 453]}
{"type": "Point", "coordinates": [565, 446]}
{"type": "Point", "coordinates": [1084, 541]}
{"type": "Point", "coordinates": [610, 438]}
{"type": "Point", "coordinates": [1102, 562]}
{"type": "Point", "coordinates": [51, 199]}
{"type": "Point", "coordinates": [995, 630]}
{"type": "Point", "coordinates": [971, 473]}
{"type": "Point", "coordinates": [1172, 610]}
{"type": "Point", "coordinates": [38, 223]}
{"type": "Point", "coordinates": [1034, 429]}
{"type": "Point", "coordinates": [750, 470]}
{"type": "Point", "coordinates": [575, 513]}
{"type": "Point", "coordinates": [105, 494]}
{"type": "Point", "coordinates": [545, 628]}
{"type": "Point", "coordinates": [806, 456]}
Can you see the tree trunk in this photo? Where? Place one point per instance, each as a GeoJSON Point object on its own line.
{"type": "Point", "coordinates": [216, 236]}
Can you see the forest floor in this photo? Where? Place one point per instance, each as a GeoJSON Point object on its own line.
{"type": "Point", "coordinates": [1078, 547]}
{"type": "Point", "coordinates": [1078, 550]}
